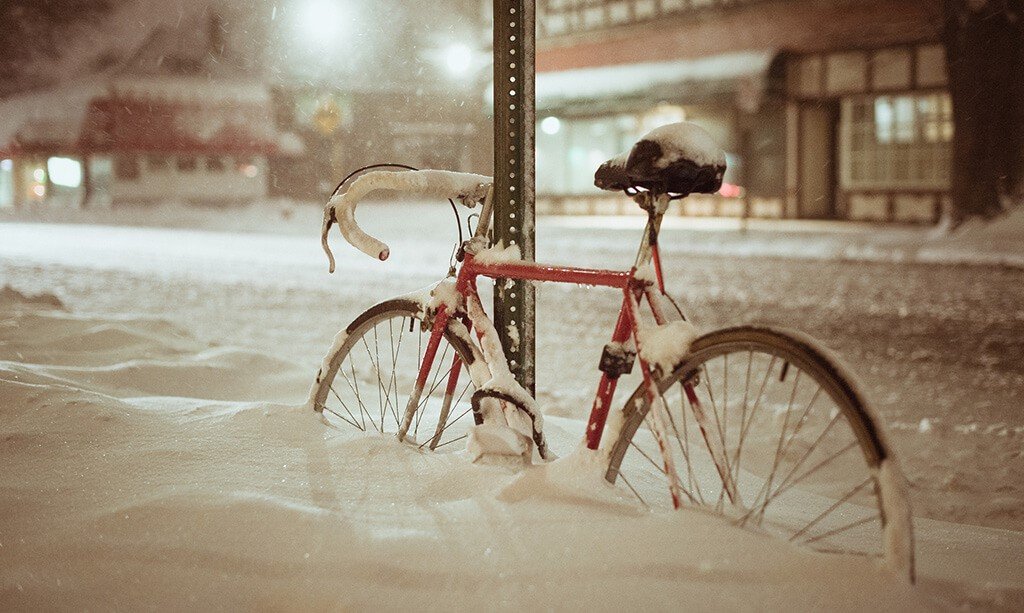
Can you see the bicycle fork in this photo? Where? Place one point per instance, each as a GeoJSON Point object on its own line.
{"type": "Point", "coordinates": [440, 323]}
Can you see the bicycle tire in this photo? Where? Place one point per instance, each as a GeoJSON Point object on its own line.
{"type": "Point", "coordinates": [389, 384]}
{"type": "Point", "coordinates": [816, 513]}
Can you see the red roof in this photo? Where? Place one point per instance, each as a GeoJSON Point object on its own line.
{"type": "Point", "coordinates": [119, 124]}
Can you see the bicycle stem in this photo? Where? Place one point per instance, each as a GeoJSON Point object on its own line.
{"type": "Point", "coordinates": [485, 214]}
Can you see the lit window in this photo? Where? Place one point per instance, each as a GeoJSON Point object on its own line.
{"type": "Point", "coordinates": [897, 142]}
{"type": "Point", "coordinates": [65, 172]}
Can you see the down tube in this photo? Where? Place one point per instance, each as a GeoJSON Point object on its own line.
{"type": "Point", "coordinates": [606, 388]}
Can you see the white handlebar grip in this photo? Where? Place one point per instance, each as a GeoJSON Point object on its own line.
{"type": "Point", "coordinates": [354, 234]}
{"type": "Point", "coordinates": [345, 211]}
{"type": "Point", "coordinates": [469, 189]}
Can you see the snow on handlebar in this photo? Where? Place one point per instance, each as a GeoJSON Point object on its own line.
{"type": "Point", "coordinates": [469, 189]}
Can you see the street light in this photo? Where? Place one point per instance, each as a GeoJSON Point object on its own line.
{"type": "Point", "coordinates": [320, 23]}
{"type": "Point", "coordinates": [458, 59]}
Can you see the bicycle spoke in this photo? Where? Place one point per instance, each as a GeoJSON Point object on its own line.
{"type": "Point", "coordinates": [724, 470]}
{"type": "Point", "coordinates": [450, 421]}
{"type": "Point", "coordinates": [324, 407]}
{"type": "Point", "coordinates": [353, 385]}
{"type": "Point", "coordinates": [454, 440]}
{"type": "Point", "coordinates": [785, 486]}
{"type": "Point", "coordinates": [393, 384]}
{"type": "Point", "coordinates": [375, 364]}
{"type": "Point", "coordinates": [345, 406]}
{"type": "Point", "coordinates": [850, 526]}
{"type": "Point", "coordinates": [619, 474]}
{"type": "Point", "coordinates": [782, 438]}
{"type": "Point", "coordinates": [663, 470]}
{"type": "Point", "coordinates": [835, 505]}
{"type": "Point", "coordinates": [744, 429]}
{"type": "Point", "coordinates": [435, 382]}
{"type": "Point", "coordinates": [660, 468]}
{"type": "Point", "coordinates": [766, 487]}
{"type": "Point", "coordinates": [685, 449]}
{"type": "Point", "coordinates": [693, 480]}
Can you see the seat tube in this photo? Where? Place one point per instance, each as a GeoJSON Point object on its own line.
{"type": "Point", "coordinates": [606, 387]}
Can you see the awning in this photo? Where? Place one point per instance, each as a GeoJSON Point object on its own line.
{"type": "Point", "coordinates": [744, 74]}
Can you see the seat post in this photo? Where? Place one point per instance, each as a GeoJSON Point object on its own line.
{"type": "Point", "coordinates": [655, 205]}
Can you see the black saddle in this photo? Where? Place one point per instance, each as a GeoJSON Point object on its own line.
{"type": "Point", "coordinates": [679, 158]}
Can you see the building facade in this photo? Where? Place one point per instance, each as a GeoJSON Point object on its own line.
{"type": "Point", "coordinates": [176, 120]}
{"type": "Point", "coordinates": [826, 108]}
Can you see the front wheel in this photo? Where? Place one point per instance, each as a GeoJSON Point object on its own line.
{"type": "Point", "coordinates": [370, 373]}
{"type": "Point", "coordinates": [766, 428]}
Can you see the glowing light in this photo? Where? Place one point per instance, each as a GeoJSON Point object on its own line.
{"type": "Point", "coordinates": [39, 175]}
{"type": "Point", "coordinates": [39, 190]}
{"type": "Point", "coordinates": [64, 171]}
{"type": "Point", "coordinates": [662, 115]}
{"type": "Point", "coordinates": [729, 190]}
{"type": "Point", "coordinates": [6, 164]}
{"type": "Point", "coordinates": [458, 59]}
{"type": "Point", "coordinates": [320, 23]}
{"type": "Point", "coordinates": [250, 170]}
{"type": "Point", "coordinates": [550, 125]}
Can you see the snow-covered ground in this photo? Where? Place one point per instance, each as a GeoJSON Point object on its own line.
{"type": "Point", "coordinates": [155, 453]}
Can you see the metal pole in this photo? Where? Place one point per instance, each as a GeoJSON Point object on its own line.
{"type": "Point", "coordinates": [514, 119]}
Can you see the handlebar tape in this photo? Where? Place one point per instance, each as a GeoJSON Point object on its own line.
{"type": "Point", "coordinates": [469, 189]}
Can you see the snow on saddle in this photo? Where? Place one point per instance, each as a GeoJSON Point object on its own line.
{"type": "Point", "coordinates": [679, 158]}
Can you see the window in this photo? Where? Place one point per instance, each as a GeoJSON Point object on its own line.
{"type": "Point", "coordinates": [186, 164]}
{"type": "Point", "coordinates": [215, 164]}
{"type": "Point", "coordinates": [126, 167]}
{"type": "Point", "coordinates": [159, 163]}
{"type": "Point", "coordinates": [555, 17]}
{"type": "Point", "coordinates": [896, 142]}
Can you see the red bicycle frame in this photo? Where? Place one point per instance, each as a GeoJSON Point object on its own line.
{"type": "Point", "coordinates": [627, 328]}
{"type": "Point", "coordinates": [633, 289]}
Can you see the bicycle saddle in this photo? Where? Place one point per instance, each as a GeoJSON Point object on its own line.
{"type": "Point", "coordinates": [679, 158]}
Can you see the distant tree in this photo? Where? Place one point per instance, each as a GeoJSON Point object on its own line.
{"type": "Point", "coordinates": [984, 42]}
{"type": "Point", "coordinates": [34, 31]}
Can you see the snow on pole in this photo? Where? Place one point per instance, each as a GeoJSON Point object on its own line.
{"type": "Point", "coordinates": [514, 119]}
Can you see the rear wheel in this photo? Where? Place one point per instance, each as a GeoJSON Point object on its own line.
{"type": "Point", "coordinates": [371, 372]}
{"type": "Point", "coordinates": [766, 429]}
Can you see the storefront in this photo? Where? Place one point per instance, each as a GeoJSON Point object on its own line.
{"type": "Point", "coordinates": [587, 116]}
{"type": "Point", "coordinates": [880, 121]}
{"type": "Point", "coordinates": [826, 110]}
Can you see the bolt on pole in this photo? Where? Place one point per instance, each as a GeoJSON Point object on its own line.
{"type": "Point", "coordinates": [514, 119]}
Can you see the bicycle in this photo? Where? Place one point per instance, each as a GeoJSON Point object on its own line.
{"type": "Point", "coordinates": [759, 424]}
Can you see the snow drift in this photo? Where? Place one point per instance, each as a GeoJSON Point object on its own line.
{"type": "Point", "coordinates": [143, 468]}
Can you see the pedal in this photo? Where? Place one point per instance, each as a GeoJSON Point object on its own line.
{"type": "Point", "coordinates": [499, 444]}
